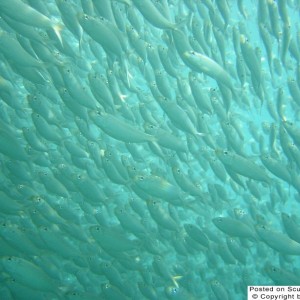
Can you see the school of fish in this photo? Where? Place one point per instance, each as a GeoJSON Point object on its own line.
{"type": "Point", "coordinates": [149, 149]}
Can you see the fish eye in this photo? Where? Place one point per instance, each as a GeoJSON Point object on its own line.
{"type": "Point", "coordinates": [178, 171]}
{"type": "Point", "coordinates": [225, 152]}
{"type": "Point", "coordinates": [192, 52]}
{"type": "Point", "coordinates": [141, 177]}
{"type": "Point", "coordinates": [86, 17]}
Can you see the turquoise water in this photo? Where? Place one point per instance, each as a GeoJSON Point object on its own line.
{"type": "Point", "coordinates": [149, 149]}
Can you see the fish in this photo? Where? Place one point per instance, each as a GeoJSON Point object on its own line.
{"type": "Point", "coordinates": [153, 15]}
{"type": "Point", "coordinates": [185, 183]}
{"type": "Point", "coordinates": [250, 58]}
{"type": "Point", "coordinates": [35, 277]}
{"type": "Point", "coordinates": [281, 276]}
{"type": "Point", "coordinates": [157, 186]}
{"type": "Point", "coordinates": [196, 234]}
{"type": "Point", "coordinates": [120, 129]}
{"type": "Point", "coordinates": [203, 64]}
{"type": "Point", "coordinates": [10, 146]}
{"type": "Point", "coordinates": [165, 138]}
{"type": "Point", "coordinates": [291, 227]}
{"type": "Point", "coordinates": [104, 33]}
{"type": "Point", "coordinates": [178, 116]}
{"type": "Point", "coordinates": [234, 228]}
{"type": "Point", "coordinates": [24, 13]}
{"type": "Point", "coordinates": [278, 241]}
{"type": "Point", "coordinates": [112, 240]}
{"type": "Point", "coordinates": [236, 250]}
{"type": "Point", "coordinates": [242, 166]}
{"type": "Point", "coordinates": [17, 55]}
{"type": "Point", "coordinates": [219, 290]}
{"type": "Point", "coordinates": [160, 215]}
{"type": "Point", "coordinates": [130, 222]}
{"type": "Point", "coordinates": [276, 167]}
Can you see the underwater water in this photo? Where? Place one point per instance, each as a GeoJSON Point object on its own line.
{"type": "Point", "coordinates": [149, 149]}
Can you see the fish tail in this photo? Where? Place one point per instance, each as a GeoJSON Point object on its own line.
{"type": "Point", "coordinates": [80, 40]}
{"type": "Point", "coordinates": [57, 29]}
{"type": "Point", "coordinates": [181, 23]}
{"type": "Point", "coordinates": [152, 139]}
{"type": "Point", "coordinates": [199, 134]}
